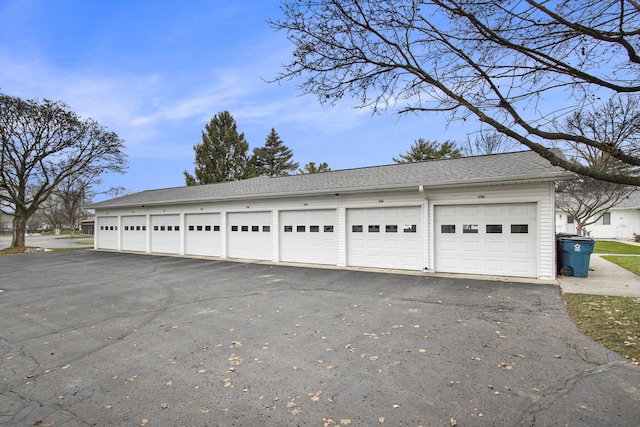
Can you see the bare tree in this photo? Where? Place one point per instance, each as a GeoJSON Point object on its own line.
{"type": "Point", "coordinates": [50, 211]}
{"type": "Point", "coordinates": [44, 143]}
{"type": "Point", "coordinates": [73, 193]}
{"type": "Point", "coordinates": [615, 124]}
{"type": "Point", "coordinates": [516, 65]}
{"type": "Point", "coordinates": [488, 142]}
{"type": "Point", "coordinates": [587, 199]}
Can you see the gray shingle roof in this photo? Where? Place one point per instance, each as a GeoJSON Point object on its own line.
{"type": "Point", "coordinates": [632, 201]}
{"type": "Point", "coordinates": [525, 166]}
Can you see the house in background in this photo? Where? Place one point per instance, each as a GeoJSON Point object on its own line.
{"type": "Point", "coordinates": [620, 222]}
{"type": "Point", "coordinates": [491, 215]}
{"type": "Point", "coordinates": [87, 226]}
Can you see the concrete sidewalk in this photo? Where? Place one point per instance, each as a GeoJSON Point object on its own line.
{"type": "Point", "coordinates": [605, 278]}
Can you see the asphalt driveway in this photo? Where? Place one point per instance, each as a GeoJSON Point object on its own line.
{"type": "Point", "coordinates": [97, 338]}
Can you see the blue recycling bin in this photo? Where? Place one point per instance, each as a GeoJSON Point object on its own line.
{"type": "Point", "coordinates": [574, 254]}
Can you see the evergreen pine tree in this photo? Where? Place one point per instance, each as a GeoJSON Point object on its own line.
{"type": "Point", "coordinates": [274, 158]}
{"type": "Point", "coordinates": [223, 154]}
{"type": "Point", "coordinates": [429, 150]}
{"type": "Point", "coordinates": [312, 168]}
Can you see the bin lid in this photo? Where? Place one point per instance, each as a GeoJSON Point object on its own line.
{"type": "Point", "coordinates": [577, 238]}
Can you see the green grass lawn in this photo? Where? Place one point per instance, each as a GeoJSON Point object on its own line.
{"type": "Point", "coordinates": [631, 263]}
{"type": "Point", "coordinates": [611, 247]}
{"type": "Point", "coordinates": [613, 322]}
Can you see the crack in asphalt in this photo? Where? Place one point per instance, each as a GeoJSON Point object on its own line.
{"type": "Point", "coordinates": [531, 413]}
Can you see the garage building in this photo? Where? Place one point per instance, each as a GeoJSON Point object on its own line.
{"type": "Point", "coordinates": [491, 215]}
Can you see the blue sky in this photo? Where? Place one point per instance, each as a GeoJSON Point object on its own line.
{"type": "Point", "coordinates": [155, 72]}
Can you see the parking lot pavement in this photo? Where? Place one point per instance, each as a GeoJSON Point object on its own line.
{"type": "Point", "coordinates": [97, 338]}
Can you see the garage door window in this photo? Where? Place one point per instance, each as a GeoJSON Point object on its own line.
{"type": "Point", "coordinates": [314, 228]}
{"type": "Point", "coordinates": [245, 228]}
{"type": "Point", "coordinates": [301, 228]}
{"type": "Point", "coordinates": [494, 228]}
{"type": "Point", "coordinates": [410, 228]}
{"type": "Point", "coordinates": [234, 228]}
{"type": "Point", "coordinates": [288, 228]}
{"type": "Point", "coordinates": [328, 228]}
{"type": "Point", "coordinates": [255, 228]}
{"type": "Point", "coordinates": [216, 228]}
{"type": "Point", "coordinates": [374, 229]}
{"type": "Point", "coordinates": [391, 228]}
{"type": "Point", "coordinates": [470, 228]}
{"type": "Point", "coordinates": [356, 228]}
{"type": "Point", "coordinates": [448, 228]}
{"type": "Point", "coordinates": [266, 228]}
{"type": "Point", "coordinates": [519, 228]}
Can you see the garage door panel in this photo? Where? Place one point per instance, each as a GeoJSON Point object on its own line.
{"type": "Point", "coordinates": [470, 247]}
{"type": "Point", "coordinates": [521, 267]}
{"type": "Point", "coordinates": [165, 234]}
{"type": "Point", "coordinates": [494, 247]}
{"type": "Point", "coordinates": [504, 244]}
{"type": "Point", "coordinates": [447, 247]}
{"type": "Point", "coordinates": [107, 227]}
{"type": "Point", "coordinates": [521, 210]}
{"type": "Point", "coordinates": [494, 211]}
{"type": "Point", "coordinates": [134, 233]}
{"type": "Point", "coordinates": [469, 211]}
{"type": "Point", "coordinates": [313, 239]}
{"type": "Point", "coordinates": [382, 241]}
{"type": "Point", "coordinates": [247, 236]}
{"type": "Point", "coordinates": [203, 235]}
{"type": "Point", "coordinates": [495, 266]}
{"type": "Point", "coordinates": [521, 247]}
{"type": "Point", "coordinates": [448, 263]}
{"type": "Point", "coordinates": [471, 265]}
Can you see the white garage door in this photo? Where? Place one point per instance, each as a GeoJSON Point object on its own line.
{"type": "Point", "coordinates": [486, 239]}
{"type": "Point", "coordinates": [203, 236]}
{"type": "Point", "coordinates": [165, 234]}
{"type": "Point", "coordinates": [249, 235]}
{"type": "Point", "coordinates": [134, 233]}
{"type": "Point", "coordinates": [107, 232]}
{"type": "Point", "coordinates": [385, 238]}
{"type": "Point", "coordinates": [309, 236]}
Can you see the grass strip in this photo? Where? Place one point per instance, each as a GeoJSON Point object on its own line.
{"type": "Point", "coordinates": [614, 322]}
{"type": "Point", "coordinates": [611, 247]}
{"type": "Point", "coordinates": [631, 263]}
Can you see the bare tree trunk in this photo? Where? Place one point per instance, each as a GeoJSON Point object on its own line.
{"type": "Point", "coordinates": [19, 230]}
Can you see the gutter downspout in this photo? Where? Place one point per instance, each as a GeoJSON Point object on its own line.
{"type": "Point", "coordinates": [425, 226]}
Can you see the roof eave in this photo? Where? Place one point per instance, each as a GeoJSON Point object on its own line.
{"type": "Point", "coordinates": [345, 190]}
